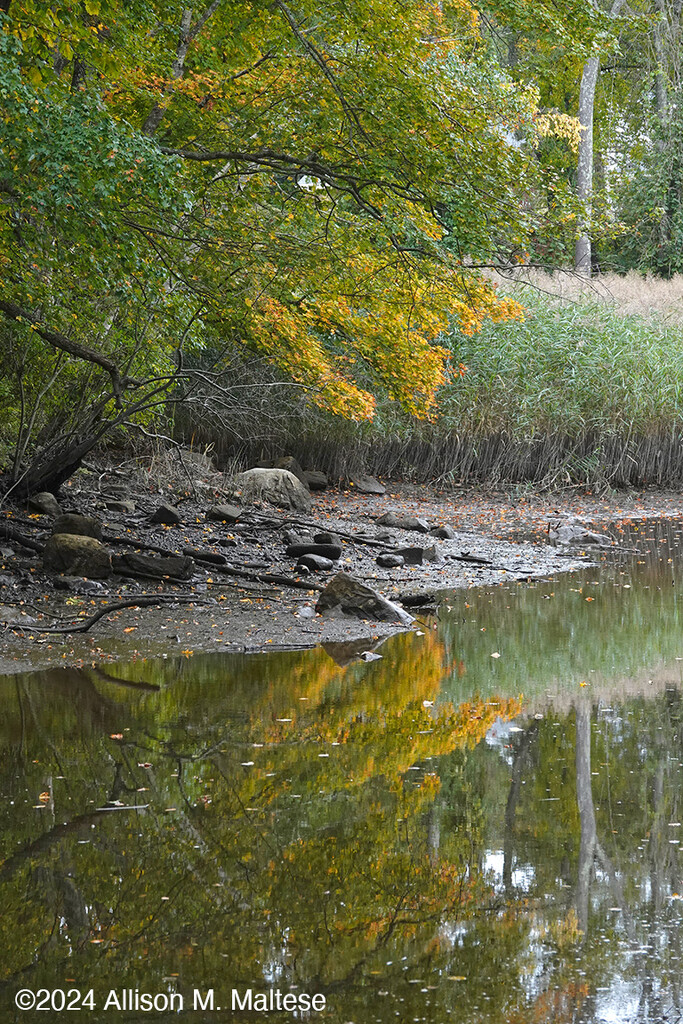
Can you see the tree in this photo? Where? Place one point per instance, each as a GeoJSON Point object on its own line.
{"type": "Point", "coordinates": [310, 183]}
{"type": "Point", "coordinates": [584, 175]}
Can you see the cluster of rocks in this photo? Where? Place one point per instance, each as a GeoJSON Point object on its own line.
{"type": "Point", "coordinates": [76, 546]}
{"type": "Point", "coordinates": [413, 554]}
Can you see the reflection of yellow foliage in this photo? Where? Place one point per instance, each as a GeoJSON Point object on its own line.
{"type": "Point", "coordinates": [564, 932]}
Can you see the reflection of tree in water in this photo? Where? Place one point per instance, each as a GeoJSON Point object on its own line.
{"type": "Point", "coordinates": [616, 873]}
{"type": "Point", "coordinates": [292, 846]}
{"type": "Point", "coordinates": [329, 827]}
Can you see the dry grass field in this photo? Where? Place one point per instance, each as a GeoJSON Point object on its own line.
{"type": "Point", "coordinates": [630, 294]}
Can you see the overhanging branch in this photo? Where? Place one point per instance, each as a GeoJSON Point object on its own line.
{"type": "Point", "coordinates": [64, 344]}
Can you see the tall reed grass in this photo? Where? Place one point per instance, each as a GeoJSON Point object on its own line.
{"type": "Point", "coordinates": [587, 390]}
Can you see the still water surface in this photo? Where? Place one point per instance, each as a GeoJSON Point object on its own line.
{"type": "Point", "coordinates": [484, 825]}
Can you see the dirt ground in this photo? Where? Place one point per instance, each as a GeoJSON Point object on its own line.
{"type": "Point", "coordinates": [214, 612]}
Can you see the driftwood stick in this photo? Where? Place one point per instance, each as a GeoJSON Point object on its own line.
{"type": "Point", "coordinates": [141, 601]}
{"type": "Point", "coordinates": [227, 570]}
{"type": "Point", "coordinates": [136, 542]}
{"type": "Point", "coordinates": [311, 525]}
{"type": "Point", "coordinates": [10, 532]}
{"type": "Point", "coordinates": [266, 577]}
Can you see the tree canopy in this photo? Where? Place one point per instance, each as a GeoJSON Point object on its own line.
{"type": "Point", "coordinates": [316, 183]}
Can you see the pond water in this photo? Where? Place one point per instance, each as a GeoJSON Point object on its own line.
{"type": "Point", "coordinates": [482, 825]}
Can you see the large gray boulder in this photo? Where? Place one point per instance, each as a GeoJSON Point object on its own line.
{"type": "Point", "coordinates": [289, 463]}
{"type": "Point", "coordinates": [77, 556]}
{"type": "Point", "coordinates": [355, 598]}
{"type": "Point", "coordinates": [276, 486]}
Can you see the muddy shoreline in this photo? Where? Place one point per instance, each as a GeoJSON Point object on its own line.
{"type": "Point", "coordinates": [220, 614]}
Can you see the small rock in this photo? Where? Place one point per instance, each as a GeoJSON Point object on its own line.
{"type": "Point", "coordinates": [575, 532]}
{"type": "Point", "coordinates": [316, 563]}
{"type": "Point", "coordinates": [327, 538]}
{"type": "Point", "coordinates": [444, 532]}
{"type": "Point", "coordinates": [397, 521]}
{"type": "Point", "coordinates": [296, 537]}
{"type": "Point", "coordinates": [78, 526]}
{"type": "Point", "coordinates": [12, 616]}
{"type": "Point", "coordinates": [418, 555]}
{"type": "Point", "coordinates": [354, 598]}
{"type": "Point", "coordinates": [224, 513]}
{"type": "Point", "coordinates": [315, 480]}
{"type": "Point", "coordinates": [77, 555]}
{"type": "Point", "coordinates": [167, 515]}
{"type": "Point", "coordinates": [367, 485]}
{"type": "Point", "coordinates": [45, 503]}
{"type": "Point", "coordinates": [389, 561]}
{"type": "Point", "coordinates": [307, 611]}
{"type": "Point", "coordinates": [83, 586]}
{"type": "Point", "coordinates": [62, 583]}
{"type": "Point", "coordinates": [125, 506]}
{"type": "Point", "coordinates": [200, 555]}
{"type": "Point", "coordinates": [331, 551]}
{"type": "Point", "coordinates": [180, 567]}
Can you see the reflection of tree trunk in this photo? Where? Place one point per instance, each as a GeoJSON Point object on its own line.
{"type": "Point", "coordinates": [520, 761]}
{"type": "Point", "coordinates": [434, 830]}
{"type": "Point", "coordinates": [584, 799]}
{"type": "Point", "coordinates": [657, 850]}
{"type": "Point", "coordinates": [590, 847]}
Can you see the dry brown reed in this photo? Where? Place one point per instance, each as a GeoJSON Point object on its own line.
{"type": "Point", "coordinates": [630, 294]}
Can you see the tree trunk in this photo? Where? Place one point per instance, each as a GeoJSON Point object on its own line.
{"type": "Point", "coordinates": [49, 473]}
{"type": "Point", "coordinates": [659, 33]}
{"type": "Point", "coordinates": [584, 173]}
